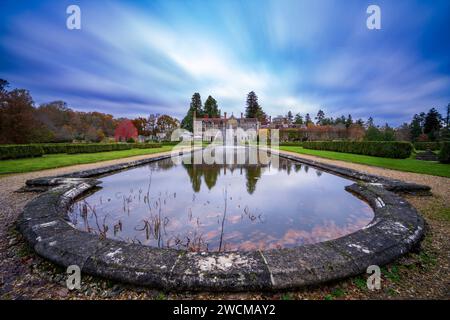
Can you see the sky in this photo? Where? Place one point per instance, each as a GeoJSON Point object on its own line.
{"type": "Point", "coordinates": [133, 58]}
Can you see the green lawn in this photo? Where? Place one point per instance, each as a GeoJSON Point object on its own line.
{"type": "Point", "coordinates": [409, 164]}
{"type": "Point", "coordinates": [62, 160]}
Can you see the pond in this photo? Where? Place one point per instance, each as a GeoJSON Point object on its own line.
{"type": "Point", "coordinates": [222, 207]}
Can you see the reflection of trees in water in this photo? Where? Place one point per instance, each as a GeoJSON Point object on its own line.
{"type": "Point", "coordinates": [252, 172]}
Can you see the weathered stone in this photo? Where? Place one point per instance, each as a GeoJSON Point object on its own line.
{"type": "Point", "coordinates": [396, 228]}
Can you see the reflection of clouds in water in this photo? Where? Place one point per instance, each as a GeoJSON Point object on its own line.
{"type": "Point", "coordinates": [155, 206]}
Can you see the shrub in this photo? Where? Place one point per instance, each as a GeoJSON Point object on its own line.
{"type": "Point", "coordinates": [387, 149]}
{"type": "Point", "coordinates": [20, 151]}
{"type": "Point", "coordinates": [130, 140]}
{"type": "Point", "coordinates": [97, 147]}
{"type": "Point", "coordinates": [427, 145]}
{"type": "Point", "coordinates": [444, 155]}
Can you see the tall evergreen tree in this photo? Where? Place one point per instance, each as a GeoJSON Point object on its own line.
{"type": "Point", "coordinates": [320, 116]}
{"type": "Point", "coordinates": [195, 107]}
{"type": "Point", "coordinates": [211, 109]}
{"type": "Point", "coordinates": [416, 127]}
{"type": "Point", "coordinates": [349, 121]}
{"type": "Point", "coordinates": [253, 108]}
{"type": "Point", "coordinates": [432, 124]}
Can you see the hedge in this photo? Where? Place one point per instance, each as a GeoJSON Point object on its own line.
{"type": "Point", "coordinates": [386, 149]}
{"type": "Point", "coordinates": [290, 144]}
{"type": "Point", "coordinates": [20, 151]}
{"type": "Point", "coordinates": [444, 155]}
{"type": "Point", "coordinates": [97, 147]}
{"type": "Point", "coordinates": [427, 145]}
{"type": "Point", "coordinates": [52, 148]}
{"type": "Point", "coordinates": [146, 145]}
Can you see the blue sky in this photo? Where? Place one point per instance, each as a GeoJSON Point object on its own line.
{"type": "Point", "coordinates": [132, 58]}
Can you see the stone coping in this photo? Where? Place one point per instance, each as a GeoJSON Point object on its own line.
{"type": "Point", "coordinates": [396, 229]}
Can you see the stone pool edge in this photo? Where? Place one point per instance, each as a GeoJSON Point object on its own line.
{"type": "Point", "coordinates": [396, 229]}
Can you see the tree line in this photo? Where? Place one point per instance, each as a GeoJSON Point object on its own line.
{"type": "Point", "coordinates": [23, 122]}
{"type": "Point", "coordinates": [430, 126]}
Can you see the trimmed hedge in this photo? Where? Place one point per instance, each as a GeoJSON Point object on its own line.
{"type": "Point", "coordinates": [427, 145]}
{"type": "Point", "coordinates": [146, 145]}
{"type": "Point", "coordinates": [291, 144]}
{"type": "Point", "coordinates": [97, 147]}
{"type": "Point", "coordinates": [444, 155]}
{"type": "Point", "coordinates": [20, 151]}
{"type": "Point", "coordinates": [386, 149]}
{"type": "Point", "coordinates": [53, 148]}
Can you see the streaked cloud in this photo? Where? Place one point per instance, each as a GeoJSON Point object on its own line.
{"type": "Point", "coordinates": [135, 58]}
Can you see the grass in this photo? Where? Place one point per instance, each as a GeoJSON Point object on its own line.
{"type": "Point", "coordinates": [63, 160]}
{"type": "Point", "coordinates": [409, 164]}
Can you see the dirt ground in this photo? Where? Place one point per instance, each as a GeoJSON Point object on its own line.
{"type": "Point", "coordinates": [421, 275]}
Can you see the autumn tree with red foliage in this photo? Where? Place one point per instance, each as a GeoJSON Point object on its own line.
{"type": "Point", "coordinates": [125, 130]}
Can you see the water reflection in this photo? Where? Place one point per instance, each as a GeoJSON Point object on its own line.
{"type": "Point", "coordinates": [218, 207]}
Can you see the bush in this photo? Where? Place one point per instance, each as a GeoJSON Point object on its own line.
{"type": "Point", "coordinates": [427, 145]}
{"type": "Point", "coordinates": [130, 140]}
{"type": "Point", "coordinates": [20, 151]}
{"type": "Point", "coordinates": [387, 149]}
{"type": "Point", "coordinates": [444, 155]}
{"type": "Point", "coordinates": [97, 147]}
{"type": "Point", "coordinates": [146, 145]}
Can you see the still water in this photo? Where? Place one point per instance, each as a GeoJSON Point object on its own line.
{"type": "Point", "coordinates": [222, 207]}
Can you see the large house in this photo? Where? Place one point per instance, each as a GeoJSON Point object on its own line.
{"type": "Point", "coordinates": [211, 126]}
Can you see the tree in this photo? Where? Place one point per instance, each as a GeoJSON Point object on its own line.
{"type": "Point", "coordinates": [125, 130]}
{"type": "Point", "coordinates": [166, 125]}
{"type": "Point", "coordinates": [142, 126]}
{"type": "Point", "coordinates": [194, 108]}
{"type": "Point", "coordinates": [432, 124]}
{"type": "Point", "coordinates": [18, 121]}
{"type": "Point", "coordinates": [320, 116]}
{"type": "Point", "coordinates": [370, 122]}
{"type": "Point", "coordinates": [349, 121]}
{"type": "Point", "coordinates": [355, 132]}
{"type": "Point", "coordinates": [416, 127]}
{"type": "Point", "coordinates": [373, 134]}
{"type": "Point", "coordinates": [403, 133]}
{"type": "Point", "coordinates": [211, 109]}
{"type": "Point", "coordinates": [290, 117]}
{"type": "Point", "coordinates": [308, 119]}
{"type": "Point", "coordinates": [388, 134]}
{"type": "Point", "coordinates": [298, 119]}
{"type": "Point", "coordinates": [253, 108]}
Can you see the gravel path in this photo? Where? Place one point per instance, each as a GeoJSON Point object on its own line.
{"type": "Point", "coordinates": [25, 275]}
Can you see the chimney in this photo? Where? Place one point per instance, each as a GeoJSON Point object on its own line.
{"type": "Point", "coordinates": [225, 115]}
{"type": "Point", "coordinates": [242, 115]}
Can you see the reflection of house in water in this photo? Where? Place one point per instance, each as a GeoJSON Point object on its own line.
{"type": "Point", "coordinates": [243, 129]}
{"type": "Point", "coordinates": [252, 172]}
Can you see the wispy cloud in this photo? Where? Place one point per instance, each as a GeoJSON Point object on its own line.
{"type": "Point", "coordinates": [131, 59]}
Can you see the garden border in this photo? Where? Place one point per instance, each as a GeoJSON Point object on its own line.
{"type": "Point", "coordinates": [396, 229]}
